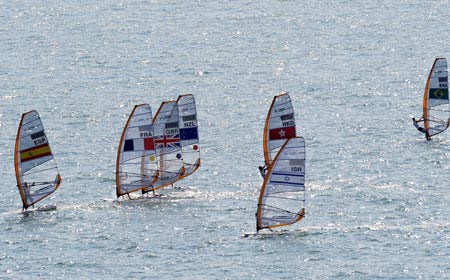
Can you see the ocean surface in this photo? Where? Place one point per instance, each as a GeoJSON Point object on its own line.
{"type": "Point", "coordinates": [378, 194]}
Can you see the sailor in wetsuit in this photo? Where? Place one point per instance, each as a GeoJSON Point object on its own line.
{"type": "Point", "coordinates": [421, 129]}
{"type": "Point", "coordinates": [262, 170]}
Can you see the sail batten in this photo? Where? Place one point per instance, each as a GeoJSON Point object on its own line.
{"type": "Point", "coordinates": [34, 163]}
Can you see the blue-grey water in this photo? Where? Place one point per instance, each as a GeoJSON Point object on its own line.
{"type": "Point", "coordinates": [377, 192]}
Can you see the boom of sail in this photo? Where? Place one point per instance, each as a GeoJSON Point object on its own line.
{"type": "Point", "coordinates": [436, 108]}
{"type": "Point", "coordinates": [36, 172]}
{"type": "Point", "coordinates": [136, 165]}
{"type": "Point", "coordinates": [282, 197]}
{"type": "Point", "coordinates": [167, 145]}
{"type": "Point", "coordinates": [189, 138]}
{"type": "Point", "coordinates": [279, 126]}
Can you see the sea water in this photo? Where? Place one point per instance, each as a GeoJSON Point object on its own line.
{"type": "Point", "coordinates": [377, 197]}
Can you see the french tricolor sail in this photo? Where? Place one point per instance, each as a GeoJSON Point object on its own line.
{"type": "Point", "coordinates": [167, 145]}
{"type": "Point", "coordinates": [189, 138]}
{"type": "Point", "coordinates": [279, 126]}
{"type": "Point", "coordinates": [136, 165]}
{"type": "Point", "coordinates": [282, 197]}
{"type": "Point", "coordinates": [36, 172]}
{"type": "Point", "coordinates": [436, 108]}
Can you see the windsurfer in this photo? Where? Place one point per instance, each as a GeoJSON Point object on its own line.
{"type": "Point", "coordinates": [262, 170]}
{"type": "Point", "coordinates": [421, 129]}
{"type": "Point", "coordinates": [27, 191]}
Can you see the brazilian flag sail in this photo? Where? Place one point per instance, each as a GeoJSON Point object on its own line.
{"type": "Point", "coordinates": [436, 106]}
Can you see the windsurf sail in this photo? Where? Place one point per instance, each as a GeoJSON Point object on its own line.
{"type": "Point", "coordinates": [136, 165]}
{"type": "Point", "coordinates": [37, 174]}
{"type": "Point", "coordinates": [189, 139]}
{"type": "Point", "coordinates": [167, 145]}
{"type": "Point", "coordinates": [282, 197]}
{"type": "Point", "coordinates": [279, 126]}
{"type": "Point", "coordinates": [436, 108]}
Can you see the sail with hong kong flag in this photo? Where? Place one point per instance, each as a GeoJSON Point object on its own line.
{"type": "Point", "coordinates": [167, 146]}
{"type": "Point", "coordinates": [279, 126]}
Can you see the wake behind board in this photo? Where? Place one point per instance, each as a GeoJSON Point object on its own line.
{"type": "Point", "coordinates": [248, 234]}
{"type": "Point", "coordinates": [135, 198]}
{"type": "Point", "coordinates": [267, 233]}
{"type": "Point", "coordinates": [273, 233]}
{"type": "Point", "coordinates": [46, 208]}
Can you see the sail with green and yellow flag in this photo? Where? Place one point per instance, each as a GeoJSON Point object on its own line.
{"type": "Point", "coordinates": [436, 106]}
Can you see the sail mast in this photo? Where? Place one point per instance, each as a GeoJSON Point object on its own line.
{"type": "Point", "coordinates": [17, 168]}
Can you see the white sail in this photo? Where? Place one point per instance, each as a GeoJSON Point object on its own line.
{"type": "Point", "coordinates": [167, 146]}
{"type": "Point", "coordinates": [189, 138]}
{"type": "Point", "coordinates": [436, 107]}
{"type": "Point", "coordinates": [279, 126]}
{"type": "Point", "coordinates": [136, 159]}
{"type": "Point", "coordinates": [36, 172]}
{"type": "Point", "coordinates": [282, 197]}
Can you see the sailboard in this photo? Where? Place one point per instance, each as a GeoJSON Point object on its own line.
{"type": "Point", "coordinates": [37, 174]}
{"type": "Point", "coordinates": [136, 164]}
{"type": "Point", "coordinates": [167, 145]}
{"type": "Point", "coordinates": [279, 126]}
{"type": "Point", "coordinates": [282, 197]}
{"type": "Point", "coordinates": [189, 138]}
{"type": "Point", "coordinates": [436, 106]}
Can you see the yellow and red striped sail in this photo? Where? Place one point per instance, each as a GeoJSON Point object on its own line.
{"type": "Point", "coordinates": [436, 106]}
{"type": "Point", "coordinates": [36, 172]}
{"type": "Point", "coordinates": [279, 126]}
{"type": "Point", "coordinates": [167, 145]}
{"type": "Point", "coordinates": [282, 197]}
{"type": "Point", "coordinates": [136, 158]}
{"type": "Point", "coordinates": [189, 138]}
